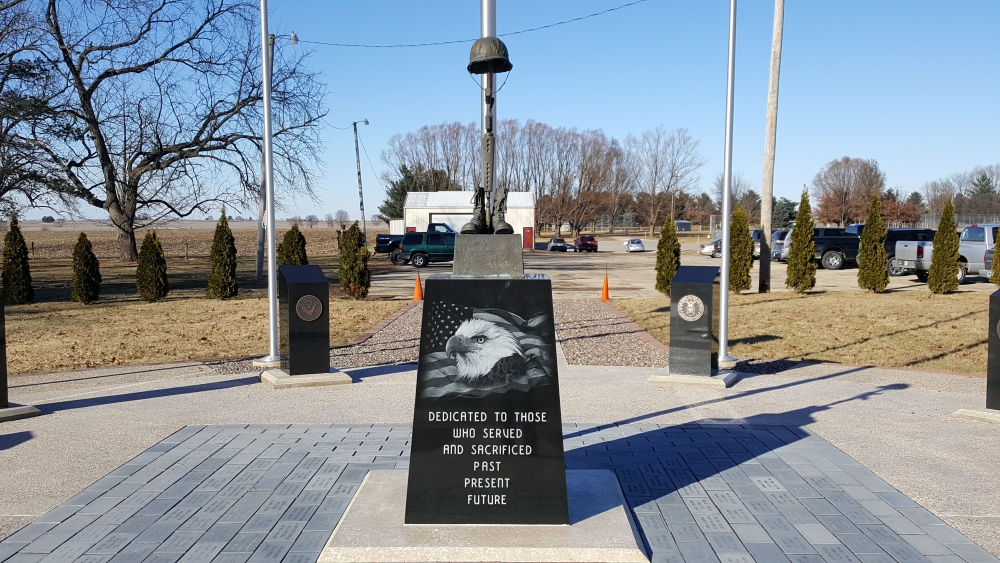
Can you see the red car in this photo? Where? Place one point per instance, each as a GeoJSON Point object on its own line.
{"type": "Point", "coordinates": [585, 243]}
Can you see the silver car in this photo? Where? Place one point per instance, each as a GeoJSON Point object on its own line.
{"type": "Point", "coordinates": [634, 245]}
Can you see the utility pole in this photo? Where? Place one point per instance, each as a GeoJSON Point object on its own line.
{"type": "Point", "coordinates": [767, 186]}
{"type": "Point", "coordinates": [361, 192]}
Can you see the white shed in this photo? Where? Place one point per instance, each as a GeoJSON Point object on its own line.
{"type": "Point", "coordinates": [455, 209]}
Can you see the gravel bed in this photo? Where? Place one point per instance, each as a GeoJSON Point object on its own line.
{"type": "Point", "coordinates": [592, 334]}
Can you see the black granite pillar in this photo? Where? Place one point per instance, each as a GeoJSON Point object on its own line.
{"type": "Point", "coordinates": [304, 319]}
{"type": "Point", "coordinates": [993, 354]}
{"type": "Point", "coordinates": [694, 321]}
{"type": "Point", "coordinates": [3, 356]}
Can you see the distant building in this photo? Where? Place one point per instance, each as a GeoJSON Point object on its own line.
{"type": "Point", "coordinates": [682, 225]}
{"type": "Point", "coordinates": [455, 209]}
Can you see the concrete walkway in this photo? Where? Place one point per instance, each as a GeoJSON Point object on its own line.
{"type": "Point", "coordinates": [897, 425]}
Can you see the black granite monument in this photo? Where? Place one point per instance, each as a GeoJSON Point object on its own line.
{"type": "Point", "coordinates": [304, 316]}
{"type": "Point", "coordinates": [694, 321]}
{"type": "Point", "coordinates": [993, 354]}
{"type": "Point", "coordinates": [487, 428]}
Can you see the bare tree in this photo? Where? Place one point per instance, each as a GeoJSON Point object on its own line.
{"type": "Point", "coordinates": [665, 162]}
{"type": "Point", "coordinates": [744, 195]}
{"type": "Point", "coordinates": [311, 221]}
{"type": "Point", "coordinates": [343, 218]}
{"type": "Point", "coordinates": [328, 219]}
{"type": "Point", "coordinates": [158, 108]}
{"type": "Point", "coordinates": [843, 189]}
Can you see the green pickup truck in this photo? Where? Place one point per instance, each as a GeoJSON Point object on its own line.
{"type": "Point", "coordinates": [421, 249]}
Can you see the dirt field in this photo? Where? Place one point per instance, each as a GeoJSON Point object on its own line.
{"type": "Point", "coordinates": [900, 329]}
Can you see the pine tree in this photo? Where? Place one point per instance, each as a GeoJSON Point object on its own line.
{"type": "Point", "coordinates": [355, 279]}
{"type": "Point", "coordinates": [943, 275]}
{"type": "Point", "coordinates": [292, 250]}
{"type": "Point", "coordinates": [86, 272]}
{"type": "Point", "coordinates": [740, 252]}
{"type": "Point", "coordinates": [222, 280]}
{"type": "Point", "coordinates": [668, 257]}
{"type": "Point", "coordinates": [994, 271]}
{"type": "Point", "coordinates": [151, 270]}
{"type": "Point", "coordinates": [801, 275]}
{"type": "Point", "coordinates": [872, 258]}
{"type": "Point", "coordinates": [16, 275]}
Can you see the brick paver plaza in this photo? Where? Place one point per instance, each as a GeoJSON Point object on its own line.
{"type": "Point", "coordinates": [699, 492]}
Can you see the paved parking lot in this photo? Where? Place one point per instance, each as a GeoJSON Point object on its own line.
{"type": "Point", "coordinates": [632, 275]}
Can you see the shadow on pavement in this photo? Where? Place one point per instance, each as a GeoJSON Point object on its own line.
{"type": "Point", "coordinates": [14, 439]}
{"type": "Point", "coordinates": [359, 375]}
{"type": "Point", "coordinates": [689, 486]}
{"type": "Point", "coordinates": [49, 408]}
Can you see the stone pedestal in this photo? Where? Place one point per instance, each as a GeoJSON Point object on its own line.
{"type": "Point", "coordinates": [600, 528]}
{"type": "Point", "coordinates": [694, 321]}
{"type": "Point", "coordinates": [304, 320]}
{"type": "Point", "coordinates": [993, 354]}
{"type": "Point", "coordinates": [7, 410]}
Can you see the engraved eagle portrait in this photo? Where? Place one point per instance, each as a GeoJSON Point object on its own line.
{"type": "Point", "coordinates": [309, 308]}
{"type": "Point", "coordinates": [476, 352]}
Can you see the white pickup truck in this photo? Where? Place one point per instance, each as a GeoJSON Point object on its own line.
{"type": "Point", "coordinates": [973, 244]}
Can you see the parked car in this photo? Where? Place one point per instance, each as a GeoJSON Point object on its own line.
{"type": "Point", "coordinates": [713, 249]}
{"type": "Point", "coordinates": [778, 243]}
{"type": "Point", "coordinates": [634, 245]}
{"type": "Point", "coordinates": [834, 247]}
{"type": "Point", "coordinates": [974, 241]}
{"type": "Point", "coordinates": [893, 266]}
{"type": "Point", "coordinates": [423, 248]}
{"type": "Point", "coordinates": [756, 235]}
{"type": "Point", "coordinates": [556, 244]}
{"type": "Point", "coordinates": [988, 272]}
{"type": "Point", "coordinates": [585, 243]}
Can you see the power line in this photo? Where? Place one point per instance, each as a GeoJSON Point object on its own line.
{"type": "Point", "coordinates": [370, 165]}
{"type": "Point", "coordinates": [588, 16]}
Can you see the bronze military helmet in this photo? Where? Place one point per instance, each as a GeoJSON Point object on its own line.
{"type": "Point", "coordinates": [489, 54]}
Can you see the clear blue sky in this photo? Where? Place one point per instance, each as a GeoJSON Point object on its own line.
{"type": "Point", "coordinates": [913, 84]}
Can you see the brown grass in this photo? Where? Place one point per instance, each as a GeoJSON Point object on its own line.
{"type": "Point", "coordinates": [899, 329]}
{"type": "Point", "coordinates": [55, 333]}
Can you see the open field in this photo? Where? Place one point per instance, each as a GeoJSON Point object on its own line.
{"type": "Point", "coordinates": [903, 329]}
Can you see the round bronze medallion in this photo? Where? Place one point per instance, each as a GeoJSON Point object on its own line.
{"type": "Point", "coordinates": [998, 329]}
{"type": "Point", "coordinates": [690, 307]}
{"type": "Point", "coordinates": [309, 308]}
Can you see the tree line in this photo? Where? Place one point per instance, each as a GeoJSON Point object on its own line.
{"type": "Point", "coordinates": [146, 110]}
{"type": "Point", "coordinates": [577, 177]}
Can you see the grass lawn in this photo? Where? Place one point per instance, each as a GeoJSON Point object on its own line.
{"type": "Point", "coordinates": [897, 329]}
{"type": "Point", "coordinates": [54, 333]}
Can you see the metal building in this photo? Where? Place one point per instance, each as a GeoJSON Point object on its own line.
{"type": "Point", "coordinates": [455, 209]}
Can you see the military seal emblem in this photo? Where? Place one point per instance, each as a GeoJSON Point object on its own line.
{"type": "Point", "coordinates": [309, 308]}
{"type": "Point", "coordinates": [690, 308]}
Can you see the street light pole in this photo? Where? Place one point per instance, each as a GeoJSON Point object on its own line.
{"type": "Point", "coordinates": [272, 259]}
{"type": "Point", "coordinates": [361, 193]}
{"type": "Point", "coordinates": [727, 193]}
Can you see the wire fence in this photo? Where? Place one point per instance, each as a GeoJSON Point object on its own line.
{"type": "Point", "coordinates": [929, 221]}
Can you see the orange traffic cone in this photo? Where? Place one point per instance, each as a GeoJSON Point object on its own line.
{"type": "Point", "coordinates": [604, 292]}
{"type": "Point", "coordinates": [418, 292]}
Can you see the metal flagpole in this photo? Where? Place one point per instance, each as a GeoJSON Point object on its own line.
{"type": "Point", "coordinates": [272, 258]}
{"type": "Point", "coordinates": [727, 193]}
{"type": "Point", "coordinates": [488, 28]}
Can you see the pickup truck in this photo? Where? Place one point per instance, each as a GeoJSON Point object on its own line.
{"type": "Point", "coordinates": [974, 241]}
{"type": "Point", "coordinates": [834, 247]}
{"type": "Point", "coordinates": [385, 244]}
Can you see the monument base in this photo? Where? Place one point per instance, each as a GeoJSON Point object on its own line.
{"type": "Point", "coordinates": [984, 415]}
{"type": "Point", "coordinates": [279, 379]}
{"type": "Point", "coordinates": [17, 412]}
{"type": "Point", "coordinates": [266, 364]}
{"type": "Point", "coordinates": [720, 378]}
{"type": "Point", "coordinates": [372, 529]}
